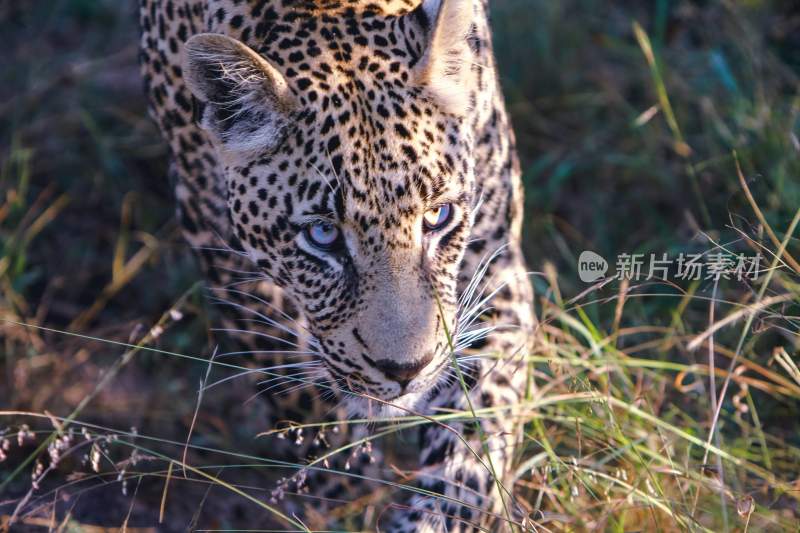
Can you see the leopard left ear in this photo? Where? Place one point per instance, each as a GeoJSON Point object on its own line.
{"type": "Point", "coordinates": [446, 63]}
{"type": "Point", "coordinates": [247, 102]}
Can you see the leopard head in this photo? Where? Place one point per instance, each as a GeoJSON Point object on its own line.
{"type": "Point", "coordinates": [348, 161]}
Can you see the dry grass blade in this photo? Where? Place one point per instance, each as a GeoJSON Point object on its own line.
{"type": "Point", "coordinates": [163, 506]}
{"type": "Point", "coordinates": [121, 278]}
{"type": "Point", "coordinates": [200, 392]}
{"type": "Point", "coordinates": [762, 220]}
{"type": "Point", "coordinates": [45, 218]}
{"type": "Point", "coordinates": [681, 147]}
{"type": "Point", "coordinates": [749, 312]}
{"type": "Point", "coordinates": [780, 355]}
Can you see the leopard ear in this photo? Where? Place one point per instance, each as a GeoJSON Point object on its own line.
{"type": "Point", "coordinates": [247, 102]}
{"type": "Point", "coordinates": [446, 63]}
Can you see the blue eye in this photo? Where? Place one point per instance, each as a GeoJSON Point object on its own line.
{"type": "Point", "coordinates": [438, 217]}
{"type": "Point", "coordinates": [323, 235]}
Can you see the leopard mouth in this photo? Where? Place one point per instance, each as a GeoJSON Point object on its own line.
{"type": "Point", "coordinates": [360, 387]}
{"type": "Point", "coordinates": [406, 404]}
{"type": "Point", "coordinates": [419, 386]}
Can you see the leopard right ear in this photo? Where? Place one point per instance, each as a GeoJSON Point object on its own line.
{"type": "Point", "coordinates": [247, 102]}
{"type": "Point", "coordinates": [446, 63]}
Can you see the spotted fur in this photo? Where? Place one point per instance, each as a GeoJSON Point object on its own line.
{"type": "Point", "coordinates": [364, 116]}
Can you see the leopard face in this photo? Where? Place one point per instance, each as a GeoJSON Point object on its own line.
{"type": "Point", "coordinates": [349, 166]}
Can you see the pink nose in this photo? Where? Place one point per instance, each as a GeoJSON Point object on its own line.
{"type": "Point", "coordinates": [402, 373]}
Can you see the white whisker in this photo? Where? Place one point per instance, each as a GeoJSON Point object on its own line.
{"type": "Point", "coordinates": [274, 308]}
{"type": "Point", "coordinates": [288, 353]}
{"type": "Point", "coordinates": [261, 371]}
{"type": "Point", "coordinates": [265, 319]}
{"type": "Point", "coordinates": [238, 282]}
{"type": "Point", "coordinates": [227, 250]}
{"type": "Point", "coordinates": [257, 334]}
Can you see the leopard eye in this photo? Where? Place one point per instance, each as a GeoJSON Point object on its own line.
{"type": "Point", "coordinates": [438, 217]}
{"type": "Point", "coordinates": [323, 235]}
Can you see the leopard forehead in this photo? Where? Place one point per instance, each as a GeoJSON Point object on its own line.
{"type": "Point", "coordinates": [359, 159]}
{"type": "Point", "coordinates": [363, 126]}
{"type": "Point", "coordinates": [363, 140]}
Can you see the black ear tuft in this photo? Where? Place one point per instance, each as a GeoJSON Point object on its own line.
{"type": "Point", "coordinates": [198, 108]}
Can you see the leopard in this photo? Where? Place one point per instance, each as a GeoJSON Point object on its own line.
{"type": "Point", "coordinates": [347, 173]}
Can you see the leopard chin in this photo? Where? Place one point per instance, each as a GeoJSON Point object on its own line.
{"type": "Point", "coordinates": [405, 405]}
